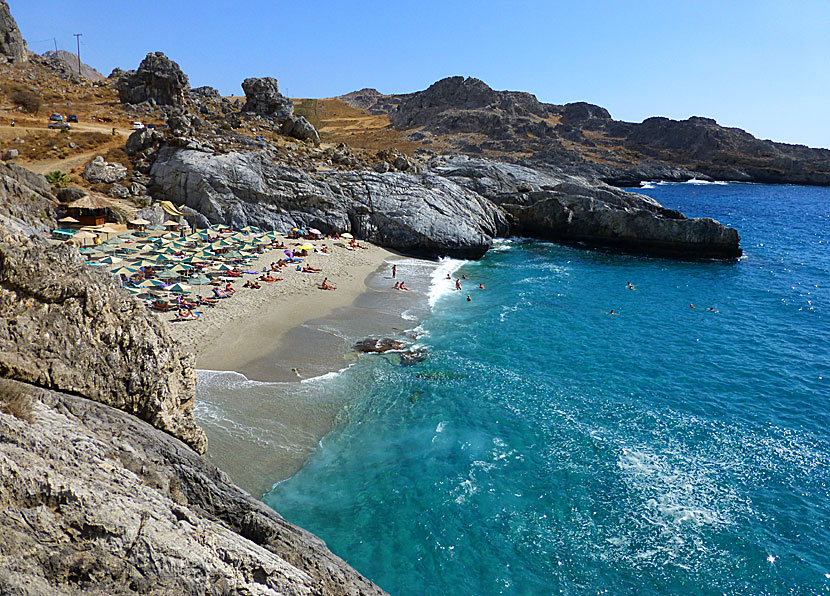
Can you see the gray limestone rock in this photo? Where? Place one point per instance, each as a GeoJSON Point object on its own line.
{"type": "Point", "coordinates": [11, 154]}
{"type": "Point", "coordinates": [417, 214]}
{"type": "Point", "coordinates": [96, 501]}
{"type": "Point", "coordinates": [70, 194]}
{"type": "Point", "coordinates": [99, 170]}
{"type": "Point", "coordinates": [66, 327]}
{"type": "Point", "coordinates": [119, 191]}
{"type": "Point", "coordinates": [143, 140]}
{"type": "Point", "coordinates": [263, 97]}
{"type": "Point", "coordinates": [26, 200]}
{"type": "Point", "coordinates": [158, 80]}
{"type": "Point", "coordinates": [12, 45]}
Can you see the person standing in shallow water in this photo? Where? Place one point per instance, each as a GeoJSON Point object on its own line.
{"type": "Point", "coordinates": [394, 271]}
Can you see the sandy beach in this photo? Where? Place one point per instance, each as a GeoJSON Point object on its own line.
{"type": "Point", "coordinates": [243, 332]}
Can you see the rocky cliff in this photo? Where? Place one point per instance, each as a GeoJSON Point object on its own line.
{"type": "Point", "coordinates": [99, 493]}
{"type": "Point", "coordinates": [453, 206]}
{"type": "Point", "coordinates": [472, 118]}
{"type": "Point", "coordinates": [12, 45]}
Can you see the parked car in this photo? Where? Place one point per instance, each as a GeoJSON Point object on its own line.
{"type": "Point", "coordinates": [56, 118]}
{"type": "Point", "coordinates": [72, 118]}
{"type": "Point", "coordinates": [60, 125]}
{"type": "Point", "coordinates": [137, 126]}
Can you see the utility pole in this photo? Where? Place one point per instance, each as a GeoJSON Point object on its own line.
{"type": "Point", "coordinates": [56, 45]}
{"type": "Point", "coordinates": [78, 37]}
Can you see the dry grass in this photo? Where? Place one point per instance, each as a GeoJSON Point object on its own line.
{"type": "Point", "coordinates": [16, 399]}
{"type": "Point", "coordinates": [341, 123]}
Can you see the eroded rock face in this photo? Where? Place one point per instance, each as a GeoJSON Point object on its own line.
{"type": "Point", "coordinates": [97, 501]}
{"type": "Point", "coordinates": [158, 80]}
{"type": "Point", "coordinates": [107, 172]}
{"type": "Point", "coordinates": [65, 327]}
{"type": "Point", "coordinates": [263, 97]}
{"type": "Point", "coordinates": [419, 214]}
{"type": "Point", "coordinates": [12, 45]}
{"type": "Point", "coordinates": [26, 201]}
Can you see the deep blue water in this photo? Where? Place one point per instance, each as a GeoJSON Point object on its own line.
{"type": "Point", "coordinates": [547, 447]}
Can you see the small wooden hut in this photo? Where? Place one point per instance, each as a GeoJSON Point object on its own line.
{"type": "Point", "coordinates": [90, 210]}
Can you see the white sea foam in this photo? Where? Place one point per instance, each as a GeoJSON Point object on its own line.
{"type": "Point", "coordinates": [645, 184]}
{"type": "Point", "coordinates": [702, 182]}
{"type": "Point", "coordinates": [440, 285]}
{"type": "Point", "coordinates": [327, 376]}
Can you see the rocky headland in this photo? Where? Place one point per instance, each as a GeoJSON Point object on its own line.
{"type": "Point", "coordinates": [102, 484]}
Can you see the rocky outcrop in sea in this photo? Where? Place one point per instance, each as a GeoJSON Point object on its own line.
{"type": "Point", "coordinates": [455, 206]}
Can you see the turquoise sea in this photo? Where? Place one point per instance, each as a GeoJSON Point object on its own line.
{"type": "Point", "coordinates": [546, 447]}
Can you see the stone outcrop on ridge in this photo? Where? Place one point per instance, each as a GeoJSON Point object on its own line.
{"type": "Point", "coordinates": [158, 80]}
{"type": "Point", "coordinates": [263, 97]}
{"type": "Point", "coordinates": [12, 45]}
{"type": "Point", "coordinates": [72, 329]}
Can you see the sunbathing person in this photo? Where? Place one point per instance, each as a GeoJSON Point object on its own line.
{"type": "Point", "coordinates": [208, 301]}
{"type": "Point", "coordinates": [229, 288]}
{"type": "Point", "coordinates": [267, 278]}
{"type": "Point", "coordinates": [220, 293]}
{"type": "Point", "coordinates": [326, 285]}
{"type": "Point", "coordinates": [310, 269]}
{"type": "Point", "coordinates": [402, 286]}
{"type": "Point", "coordinates": [186, 314]}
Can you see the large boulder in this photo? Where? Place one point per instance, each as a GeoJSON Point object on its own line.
{"type": "Point", "coordinates": [300, 128]}
{"type": "Point", "coordinates": [26, 201]}
{"type": "Point", "coordinates": [107, 172]}
{"type": "Point", "coordinates": [66, 327]}
{"type": "Point", "coordinates": [421, 214]}
{"type": "Point", "coordinates": [567, 208]}
{"type": "Point", "coordinates": [145, 139]}
{"type": "Point", "coordinates": [12, 45]}
{"type": "Point", "coordinates": [158, 80]}
{"type": "Point", "coordinates": [263, 97]}
{"type": "Point", "coordinates": [96, 501]}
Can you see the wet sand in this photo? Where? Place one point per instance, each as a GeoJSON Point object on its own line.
{"type": "Point", "coordinates": [244, 333]}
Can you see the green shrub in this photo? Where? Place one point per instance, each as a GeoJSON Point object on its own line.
{"type": "Point", "coordinates": [58, 178]}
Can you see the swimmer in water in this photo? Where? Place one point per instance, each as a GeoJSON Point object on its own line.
{"type": "Point", "coordinates": [469, 299]}
{"type": "Point", "coordinates": [611, 312]}
{"type": "Point", "coordinates": [457, 284]}
{"type": "Point", "coordinates": [480, 286]}
{"type": "Point", "coordinates": [449, 276]}
{"type": "Point", "coordinates": [692, 306]}
{"type": "Point", "coordinates": [712, 309]}
{"type": "Point", "coordinates": [629, 286]}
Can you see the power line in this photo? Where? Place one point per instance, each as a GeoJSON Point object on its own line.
{"type": "Point", "coordinates": [78, 37]}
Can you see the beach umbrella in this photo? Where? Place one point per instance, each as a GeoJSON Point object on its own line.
{"type": "Point", "coordinates": [199, 281]}
{"type": "Point", "coordinates": [224, 267]}
{"type": "Point", "coordinates": [179, 288]}
{"type": "Point", "coordinates": [140, 222]}
{"type": "Point", "coordinates": [90, 250]}
{"type": "Point", "coordinates": [346, 235]}
{"type": "Point", "coordinates": [181, 268]}
{"type": "Point", "coordinates": [124, 270]}
{"type": "Point", "coordinates": [84, 236]}
{"type": "Point", "coordinates": [171, 224]}
{"type": "Point", "coordinates": [305, 247]}
{"type": "Point", "coordinates": [314, 231]}
{"type": "Point", "coordinates": [134, 291]}
{"type": "Point", "coordinates": [110, 260]}
{"type": "Point", "coordinates": [151, 283]}
{"type": "Point", "coordinates": [114, 240]}
{"type": "Point", "coordinates": [106, 248]}
{"type": "Point", "coordinates": [289, 253]}
{"type": "Point", "coordinates": [168, 275]}
{"type": "Point", "coordinates": [68, 219]}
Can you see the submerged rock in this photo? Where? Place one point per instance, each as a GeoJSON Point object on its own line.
{"type": "Point", "coordinates": [378, 346]}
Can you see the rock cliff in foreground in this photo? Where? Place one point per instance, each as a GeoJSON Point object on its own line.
{"type": "Point", "coordinates": [99, 494]}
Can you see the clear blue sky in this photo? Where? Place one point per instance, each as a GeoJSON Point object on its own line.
{"type": "Point", "coordinates": [758, 65]}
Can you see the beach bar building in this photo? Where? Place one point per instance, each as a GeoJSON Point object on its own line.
{"type": "Point", "coordinates": [90, 210]}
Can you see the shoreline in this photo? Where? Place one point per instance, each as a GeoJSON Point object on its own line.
{"type": "Point", "coordinates": [245, 333]}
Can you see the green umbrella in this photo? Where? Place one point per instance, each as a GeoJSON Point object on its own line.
{"type": "Point", "coordinates": [180, 268]}
{"type": "Point", "coordinates": [144, 263]}
{"type": "Point", "coordinates": [150, 283]}
{"type": "Point", "coordinates": [114, 240]}
{"type": "Point", "coordinates": [168, 275]}
{"type": "Point", "coordinates": [224, 267]}
{"type": "Point", "coordinates": [110, 260]}
{"type": "Point", "coordinates": [179, 289]}
{"type": "Point", "coordinates": [89, 250]}
{"type": "Point", "coordinates": [124, 270]}
{"type": "Point", "coordinates": [199, 281]}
